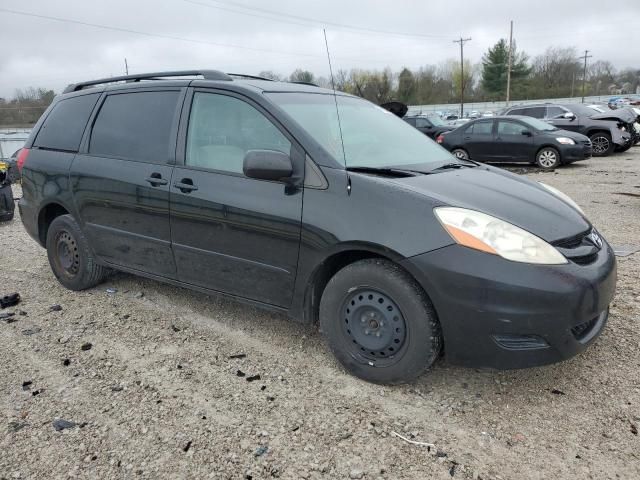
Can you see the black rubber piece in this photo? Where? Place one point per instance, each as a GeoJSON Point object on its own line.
{"type": "Point", "coordinates": [70, 257]}
{"type": "Point", "coordinates": [417, 347]}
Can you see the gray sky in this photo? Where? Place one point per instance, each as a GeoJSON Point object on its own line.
{"type": "Point", "coordinates": [282, 35]}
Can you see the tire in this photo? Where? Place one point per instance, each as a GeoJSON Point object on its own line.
{"type": "Point", "coordinates": [601, 144]}
{"type": "Point", "coordinates": [358, 306]}
{"type": "Point", "coordinates": [548, 158]}
{"type": "Point", "coordinates": [460, 153]}
{"type": "Point", "coordinates": [70, 257]}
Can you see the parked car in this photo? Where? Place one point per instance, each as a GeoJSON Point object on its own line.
{"type": "Point", "coordinates": [456, 123]}
{"type": "Point", "coordinates": [398, 248]}
{"type": "Point", "coordinates": [13, 173]}
{"type": "Point", "coordinates": [430, 125]}
{"type": "Point", "coordinates": [630, 115]}
{"type": "Point", "coordinates": [606, 131]}
{"type": "Point", "coordinates": [516, 139]}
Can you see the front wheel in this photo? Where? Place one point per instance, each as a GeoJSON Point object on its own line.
{"type": "Point", "coordinates": [601, 144]}
{"type": "Point", "coordinates": [379, 323]}
{"type": "Point", "coordinates": [70, 257]}
{"type": "Point", "coordinates": [548, 158]}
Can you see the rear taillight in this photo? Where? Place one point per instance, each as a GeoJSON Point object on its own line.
{"type": "Point", "coordinates": [22, 157]}
{"type": "Point", "coordinates": [440, 139]}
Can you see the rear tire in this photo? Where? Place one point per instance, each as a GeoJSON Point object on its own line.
{"type": "Point", "coordinates": [548, 158]}
{"type": "Point", "coordinates": [379, 323]}
{"type": "Point", "coordinates": [460, 153]}
{"type": "Point", "coordinates": [601, 144]}
{"type": "Point", "coordinates": [70, 257]}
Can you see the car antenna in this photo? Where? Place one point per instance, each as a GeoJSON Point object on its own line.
{"type": "Point", "coordinates": [335, 99]}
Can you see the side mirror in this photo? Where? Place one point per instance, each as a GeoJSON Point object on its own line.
{"type": "Point", "coordinates": [526, 133]}
{"type": "Point", "coordinates": [569, 116]}
{"type": "Point", "coordinates": [267, 165]}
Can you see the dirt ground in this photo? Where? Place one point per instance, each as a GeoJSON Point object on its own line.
{"type": "Point", "coordinates": [146, 373]}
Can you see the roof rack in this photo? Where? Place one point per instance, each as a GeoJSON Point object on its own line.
{"type": "Point", "coordinates": [252, 77]}
{"type": "Point", "coordinates": [306, 83]}
{"type": "Point", "coordinates": [207, 74]}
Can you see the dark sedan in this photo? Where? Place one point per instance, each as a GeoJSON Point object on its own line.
{"type": "Point", "coordinates": [430, 125]}
{"type": "Point", "coordinates": [516, 139]}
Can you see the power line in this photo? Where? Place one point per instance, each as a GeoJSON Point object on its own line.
{"type": "Point", "coordinates": [157, 35]}
{"type": "Point", "coordinates": [297, 19]}
{"type": "Point", "coordinates": [462, 41]}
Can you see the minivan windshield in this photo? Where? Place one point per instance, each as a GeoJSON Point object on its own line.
{"type": "Point", "coordinates": [539, 124]}
{"type": "Point", "coordinates": [372, 136]}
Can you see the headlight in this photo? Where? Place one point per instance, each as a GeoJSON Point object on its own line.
{"type": "Point", "coordinates": [489, 234]}
{"type": "Point", "coordinates": [565, 141]}
{"type": "Point", "coordinates": [562, 196]}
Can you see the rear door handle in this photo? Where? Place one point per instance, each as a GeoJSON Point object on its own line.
{"type": "Point", "coordinates": [185, 185]}
{"type": "Point", "coordinates": [156, 179]}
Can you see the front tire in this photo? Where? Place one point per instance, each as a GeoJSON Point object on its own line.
{"type": "Point", "coordinates": [601, 143]}
{"type": "Point", "coordinates": [379, 323]}
{"type": "Point", "coordinates": [70, 257]}
{"type": "Point", "coordinates": [548, 158]}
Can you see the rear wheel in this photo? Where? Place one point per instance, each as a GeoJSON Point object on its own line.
{"type": "Point", "coordinates": [379, 323]}
{"type": "Point", "coordinates": [601, 144]}
{"type": "Point", "coordinates": [460, 153]}
{"type": "Point", "coordinates": [70, 257]}
{"type": "Point", "coordinates": [548, 158]}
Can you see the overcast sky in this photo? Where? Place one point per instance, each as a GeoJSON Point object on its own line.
{"type": "Point", "coordinates": [282, 35]}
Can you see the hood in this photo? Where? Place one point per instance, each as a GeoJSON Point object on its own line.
{"type": "Point", "coordinates": [504, 195]}
{"type": "Point", "coordinates": [624, 114]}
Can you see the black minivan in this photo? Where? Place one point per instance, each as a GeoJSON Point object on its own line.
{"type": "Point", "coordinates": [320, 205]}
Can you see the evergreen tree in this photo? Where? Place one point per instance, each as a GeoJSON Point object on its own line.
{"type": "Point", "coordinates": [495, 64]}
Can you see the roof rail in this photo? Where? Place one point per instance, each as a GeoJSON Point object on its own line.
{"type": "Point", "coordinates": [252, 77]}
{"type": "Point", "coordinates": [207, 74]}
{"type": "Point", "coordinates": [306, 83]}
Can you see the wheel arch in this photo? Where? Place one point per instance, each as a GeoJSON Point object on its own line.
{"type": "Point", "coordinates": [547, 145]}
{"type": "Point", "coordinates": [46, 215]}
{"type": "Point", "coordinates": [340, 257]}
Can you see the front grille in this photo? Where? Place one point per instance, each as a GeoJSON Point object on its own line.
{"type": "Point", "coordinates": [580, 248]}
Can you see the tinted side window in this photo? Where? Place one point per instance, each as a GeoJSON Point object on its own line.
{"type": "Point", "coordinates": [63, 127]}
{"type": "Point", "coordinates": [136, 126]}
{"type": "Point", "coordinates": [535, 112]}
{"type": "Point", "coordinates": [481, 128]}
{"type": "Point", "coordinates": [510, 128]}
{"type": "Point", "coordinates": [516, 111]}
{"type": "Point", "coordinates": [555, 112]}
{"type": "Point", "coordinates": [410, 121]}
{"type": "Point", "coordinates": [422, 123]}
{"type": "Point", "coordinates": [222, 129]}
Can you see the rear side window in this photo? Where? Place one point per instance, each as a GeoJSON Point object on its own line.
{"type": "Point", "coordinates": [516, 111]}
{"type": "Point", "coordinates": [136, 126]}
{"type": "Point", "coordinates": [535, 112]}
{"type": "Point", "coordinates": [480, 128]}
{"type": "Point", "coordinates": [64, 126]}
{"type": "Point", "coordinates": [422, 123]}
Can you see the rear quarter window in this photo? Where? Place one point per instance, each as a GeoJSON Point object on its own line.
{"type": "Point", "coordinates": [136, 126]}
{"type": "Point", "coordinates": [64, 126]}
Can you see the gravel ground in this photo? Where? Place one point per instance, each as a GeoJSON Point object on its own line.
{"type": "Point", "coordinates": [147, 374]}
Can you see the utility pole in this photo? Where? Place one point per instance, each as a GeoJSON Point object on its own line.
{"type": "Point", "coordinates": [584, 72]}
{"type": "Point", "coordinates": [126, 66]}
{"type": "Point", "coordinates": [462, 41]}
{"type": "Point", "coordinates": [509, 63]}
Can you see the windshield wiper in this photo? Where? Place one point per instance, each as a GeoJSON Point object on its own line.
{"type": "Point", "coordinates": [395, 172]}
{"type": "Point", "coordinates": [450, 166]}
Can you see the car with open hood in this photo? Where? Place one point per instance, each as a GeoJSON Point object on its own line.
{"type": "Point", "coordinates": [318, 205]}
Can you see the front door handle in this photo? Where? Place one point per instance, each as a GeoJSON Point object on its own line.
{"type": "Point", "coordinates": [185, 185]}
{"type": "Point", "coordinates": [156, 179]}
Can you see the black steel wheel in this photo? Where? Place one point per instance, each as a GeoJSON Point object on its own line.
{"type": "Point", "coordinates": [379, 323]}
{"type": "Point", "coordinates": [70, 257]}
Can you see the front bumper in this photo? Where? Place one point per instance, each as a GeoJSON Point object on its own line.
{"type": "Point", "coordinates": [577, 152]}
{"type": "Point", "coordinates": [501, 314]}
{"type": "Point", "coordinates": [621, 138]}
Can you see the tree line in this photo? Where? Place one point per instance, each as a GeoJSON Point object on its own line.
{"type": "Point", "coordinates": [556, 73]}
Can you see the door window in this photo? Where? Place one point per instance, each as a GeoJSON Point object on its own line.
{"type": "Point", "coordinates": [135, 126]}
{"type": "Point", "coordinates": [555, 112]}
{"type": "Point", "coordinates": [222, 129]}
{"type": "Point", "coordinates": [516, 111]}
{"type": "Point", "coordinates": [535, 112]}
{"type": "Point", "coordinates": [481, 128]}
{"type": "Point", "coordinates": [422, 123]}
{"type": "Point", "coordinates": [510, 128]}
